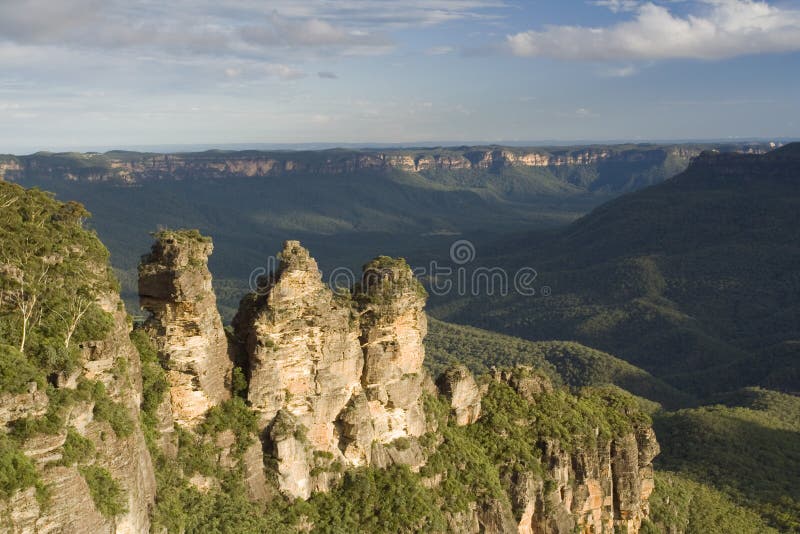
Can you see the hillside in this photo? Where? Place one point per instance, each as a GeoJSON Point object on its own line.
{"type": "Point", "coordinates": [410, 203]}
{"type": "Point", "coordinates": [726, 467]}
{"type": "Point", "coordinates": [748, 447]}
{"type": "Point", "coordinates": [693, 280]}
{"type": "Point", "coordinates": [574, 364]}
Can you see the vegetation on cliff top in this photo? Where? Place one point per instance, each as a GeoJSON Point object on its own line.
{"type": "Point", "coordinates": [51, 273]}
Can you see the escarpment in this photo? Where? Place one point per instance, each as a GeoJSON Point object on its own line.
{"type": "Point", "coordinates": [132, 167]}
{"type": "Point", "coordinates": [601, 483]}
{"type": "Point", "coordinates": [104, 394]}
{"type": "Point", "coordinates": [74, 453]}
{"type": "Point", "coordinates": [335, 382]}
{"type": "Point", "coordinates": [175, 288]}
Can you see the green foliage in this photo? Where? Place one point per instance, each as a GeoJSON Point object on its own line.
{"type": "Point", "coordinates": [749, 453]}
{"type": "Point", "coordinates": [59, 401]}
{"type": "Point", "coordinates": [375, 500]}
{"type": "Point", "coordinates": [693, 280]}
{"type": "Point", "coordinates": [478, 349]}
{"type": "Point", "coordinates": [575, 364]}
{"type": "Point", "coordinates": [16, 470]}
{"type": "Point", "coordinates": [680, 504]}
{"type": "Point", "coordinates": [115, 413]}
{"type": "Point", "coordinates": [235, 415]}
{"type": "Point", "coordinates": [106, 492]}
{"type": "Point", "coordinates": [468, 473]}
{"type": "Point", "coordinates": [196, 454]}
{"type": "Point", "coordinates": [182, 236]}
{"type": "Point", "coordinates": [154, 382]}
{"type": "Point", "coordinates": [239, 383]}
{"type": "Point", "coordinates": [94, 325]}
{"type": "Point", "coordinates": [16, 371]}
{"type": "Point", "coordinates": [51, 272]}
{"type": "Point", "coordinates": [224, 510]}
{"type": "Point", "coordinates": [76, 449]}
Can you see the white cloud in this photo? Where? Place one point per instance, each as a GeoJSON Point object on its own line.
{"type": "Point", "coordinates": [237, 27]}
{"type": "Point", "coordinates": [727, 28]}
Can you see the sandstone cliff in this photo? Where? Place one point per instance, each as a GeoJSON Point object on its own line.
{"type": "Point", "coordinates": [112, 366]}
{"type": "Point", "coordinates": [334, 380]}
{"type": "Point", "coordinates": [131, 167]}
{"type": "Point", "coordinates": [336, 389]}
{"type": "Point", "coordinates": [601, 485]}
{"type": "Point", "coordinates": [175, 288]}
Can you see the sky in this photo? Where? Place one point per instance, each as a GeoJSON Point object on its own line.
{"type": "Point", "coordinates": [100, 74]}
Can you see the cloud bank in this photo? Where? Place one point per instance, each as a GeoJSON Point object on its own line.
{"type": "Point", "coordinates": [725, 29]}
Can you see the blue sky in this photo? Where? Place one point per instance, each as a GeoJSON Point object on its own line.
{"type": "Point", "coordinates": [93, 74]}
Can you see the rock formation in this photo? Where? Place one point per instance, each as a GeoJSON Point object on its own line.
{"type": "Point", "coordinates": [137, 168]}
{"type": "Point", "coordinates": [125, 457]}
{"type": "Point", "coordinates": [393, 326]}
{"type": "Point", "coordinates": [458, 385]}
{"type": "Point", "coordinates": [603, 486]}
{"type": "Point", "coordinates": [175, 287]}
{"type": "Point", "coordinates": [334, 379]}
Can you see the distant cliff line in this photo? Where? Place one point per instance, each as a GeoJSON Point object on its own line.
{"type": "Point", "coordinates": [135, 167]}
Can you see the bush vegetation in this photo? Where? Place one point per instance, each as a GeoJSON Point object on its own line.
{"type": "Point", "coordinates": [106, 492]}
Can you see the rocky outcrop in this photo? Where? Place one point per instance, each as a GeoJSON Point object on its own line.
{"type": "Point", "coordinates": [458, 385]}
{"type": "Point", "coordinates": [19, 406]}
{"type": "Point", "coordinates": [70, 507]}
{"type": "Point", "coordinates": [175, 288]}
{"type": "Point", "coordinates": [393, 326]}
{"type": "Point", "coordinates": [335, 379]}
{"type": "Point", "coordinates": [130, 168]}
{"type": "Point", "coordinates": [601, 486]}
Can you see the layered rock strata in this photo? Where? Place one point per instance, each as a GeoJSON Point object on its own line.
{"type": "Point", "coordinates": [602, 486]}
{"type": "Point", "coordinates": [175, 288]}
{"type": "Point", "coordinates": [71, 507]}
{"type": "Point", "coordinates": [335, 379]}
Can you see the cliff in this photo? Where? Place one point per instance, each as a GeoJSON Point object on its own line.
{"type": "Point", "coordinates": [329, 376]}
{"type": "Point", "coordinates": [134, 167]}
{"type": "Point", "coordinates": [601, 485]}
{"type": "Point", "coordinates": [74, 453]}
{"type": "Point", "coordinates": [175, 288]}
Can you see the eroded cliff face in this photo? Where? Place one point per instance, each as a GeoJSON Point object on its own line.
{"type": "Point", "coordinates": [175, 288]}
{"type": "Point", "coordinates": [70, 507]}
{"type": "Point", "coordinates": [136, 168]}
{"type": "Point", "coordinates": [458, 385]}
{"type": "Point", "coordinates": [601, 486]}
{"type": "Point", "coordinates": [393, 326]}
{"type": "Point", "coordinates": [335, 378]}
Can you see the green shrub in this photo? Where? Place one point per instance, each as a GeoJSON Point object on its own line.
{"type": "Point", "coordinates": [107, 494]}
{"type": "Point", "coordinates": [377, 501]}
{"type": "Point", "coordinates": [16, 371]}
{"type": "Point", "coordinates": [114, 413]}
{"type": "Point", "coordinates": [239, 383]}
{"type": "Point", "coordinates": [235, 415]}
{"type": "Point", "coordinates": [16, 470]}
{"type": "Point", "coordinates": [76, 449]}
